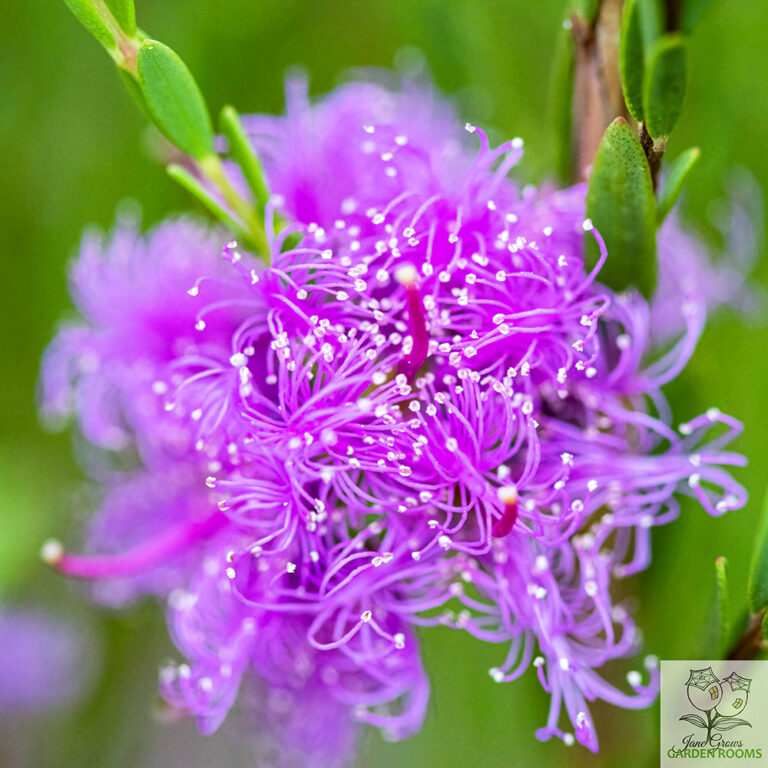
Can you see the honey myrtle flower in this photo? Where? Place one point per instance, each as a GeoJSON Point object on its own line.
{"type": "Point", "coordinates": [431, 401]}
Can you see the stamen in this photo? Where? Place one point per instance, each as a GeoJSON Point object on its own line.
{"type": "Point", "coordinates": [134, 560]}
{"type": "Point", "coordinates": [503, 526]}
{"type": "Point", "coordinates": [410, 364]}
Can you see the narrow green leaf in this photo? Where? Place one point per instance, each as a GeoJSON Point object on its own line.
{"type": "Point", "coordinates": [195, 188]}
{"type": "Point", "coordinates": [674, 180]}
{"type": "Point", "coordinates": [89, 17]}
{"type": "Point", "coordinates": [717, 633]}
{"type": "Point", "coordinates": [651, 21]}
{"type": "Point", "coordinates": [242, 151]}
{"type": "Point", "coordinates": [664, 86]}
{"type": "Point", "coordinates": [691, 14]}
{"type": "Point", "coordinates": [764, 626]}
{"type": "Point", "coordinates": [124, 13]}
{"type": "Point", "coordinates": [174, 100]}
{"type": "Point", "coordinates": [561, 105]}
{"type": "Point", "coordinates": [758, 574]}
{"type": "Point", "coordinates": [631, 59]}
{"type": "Point", "coordinates": [622, 207]}
{"type": "Point", "coordinates": [722, 605]}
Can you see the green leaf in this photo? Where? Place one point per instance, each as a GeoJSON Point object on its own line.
{"type": "Point", "coordinates": [717, 633]}
{"type": "Point", "coordinates": [622, 207]}
{"type": "Point", "coordinates": [651, 21]}
{"type": "Point", "coordinates": [195, 188]}
{"type": "Point", "coordinates": [691, 13]}
{"type": "Point", "coordinates": [764, 626]}
{"type": "Point", "coordinates": [758, 573]}
{"type": "Point", "coordinates": [124, 13]}
{"type": "Point", "coordinates": [174, 100]}
{"type": "Point", "coordinates": [106, 20]}
{"type": "Point", "coordinates": [561, 105]}
{"type": "Point", "coordinates": [674, 180]}
{"type": "Point", "coordinates": [135, 90]}
{"type": "Point", "coordinates": [90, 18]}
{"type": "Point", "coordinates": [631, 59]}
{"type": "Point", "coordinates": [664, 86]}
{"type": "Point", "coordinates": [721, 608]}
{"type": "Point", "coordinates": [241, 150]}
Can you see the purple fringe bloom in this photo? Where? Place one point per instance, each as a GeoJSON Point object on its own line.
{"type": "Point", "coordinates": [429, 412]}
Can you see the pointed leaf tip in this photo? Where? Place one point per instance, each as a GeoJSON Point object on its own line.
{"type": "Point", "coordinates": [717, 630]}
{"type": "Point", "coordinates": [174, 100]}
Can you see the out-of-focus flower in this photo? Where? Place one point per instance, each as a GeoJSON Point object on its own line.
{"type": "Point", "coordinates": [42, 662]}
{"type": "Point", "coordinates": [428, 412]}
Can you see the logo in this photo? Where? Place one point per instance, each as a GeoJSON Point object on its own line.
{"type": "Point", "coordinates": [719, 700]}
{"type": "Point", "coordinates": [715, 711]}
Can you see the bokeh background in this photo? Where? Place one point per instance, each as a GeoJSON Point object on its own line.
{"type": "Point", "coordinates": [72, 146]}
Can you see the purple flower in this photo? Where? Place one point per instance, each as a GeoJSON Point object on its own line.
{"type": "Point", "coordinates": [429, 400]}
{"type": "Point", "coordinates": [42, 665]}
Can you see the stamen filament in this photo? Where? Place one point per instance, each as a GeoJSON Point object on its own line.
{"type": "Point", "coordinates": [134, 560]}
{"type": "Point", "coordinates": [410, 364]}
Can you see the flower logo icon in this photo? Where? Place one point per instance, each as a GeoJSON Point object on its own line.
{"type": "Point", "coordinates": [704, 689]}
{"type": "Point", "coordinates": [735, 695]}
{"type": "Point", "coordinates": [720, 700]}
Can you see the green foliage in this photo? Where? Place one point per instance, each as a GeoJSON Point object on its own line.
{"type": "Point", "coordinates": [561, 104]}
{"type": "Point", "coordinates": [135, 90]}
{"type": "Point", "coordinates": [174, 100]}
{"type": "Point", "coordinates": [203, 195]}
{"type": "Point", "coordinates": [718, 627]}
{"type": "Point", "coordinates": [622, 207]}
{"type": "Point", "coordinates": [722, 615]}
{"type": "Point", "coordinates": [664, 85]}
{"type": "Point", "coordinates": [111, 22]}
{"type": "Point", "coordinates": [241, 150]}
{"type": "Point", "coordinates": [124, 13]}
{"type": "Point", "coordinates": [65, 79]}
{"type": "Point", "coordinates": [631, 59]}
{"type": "Point", "coordinates": [675, 178]}
{"type": "Point", "coordinates": [692, 12]}
{"type": "Point", "coordinates": [651, 21]}
{"type": "Point", "coordinates": [758, 573]}
{"type": "Point", "coordinates": [94, 22]}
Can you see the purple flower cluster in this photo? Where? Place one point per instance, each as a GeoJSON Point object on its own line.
{"type": "Point", "coordinates": [429, 412]}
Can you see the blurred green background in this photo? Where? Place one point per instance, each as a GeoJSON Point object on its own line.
{"type": "Point", "coordinates": [74, 146]}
